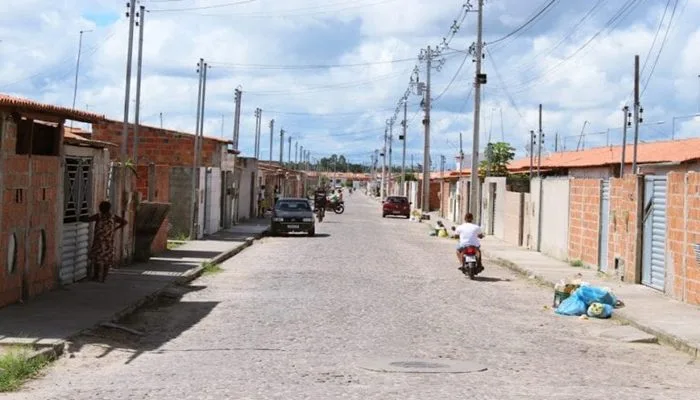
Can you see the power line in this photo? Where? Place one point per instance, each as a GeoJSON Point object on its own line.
{"type": "Point", "coordinates": [297, 12]}
{"type": "Point", "coordinates": [308, 66]}
{"type": "Point", "coordinates": [661, 49]}
{"type": "Point", "coordinates": [235, 3]}
{"type": "Point", "coordinates": [323, 88]}
{"type": "Point", "coordinates": [524, 25]}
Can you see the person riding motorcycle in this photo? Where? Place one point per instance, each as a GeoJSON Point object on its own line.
{"type": "Point", "coordinates": [320, 201]}
{"type": "Point", "coordinates": [469, 234]}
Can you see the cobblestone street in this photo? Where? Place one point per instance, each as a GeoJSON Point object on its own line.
{"type": "Point", "coordinates": [300, 317]}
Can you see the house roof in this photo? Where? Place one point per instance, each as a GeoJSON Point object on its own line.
{"type": "Point", "coordinates": [684, 150]}
{"type": "Point", "coordinates": [26, 105]}
{"type": "Point", "coordinates": [75, 136]}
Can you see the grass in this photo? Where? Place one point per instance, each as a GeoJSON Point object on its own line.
{"type": "Point", "coordinates": [16, 368]}
{"type": "Point", "coordinates": [211, 268]}
{"type": "Point", "coordinates": [576, 263]}
{"type": "Point", "coordinates": [177, 240]}
{"type": "Point", "coordinates": [173, 245]}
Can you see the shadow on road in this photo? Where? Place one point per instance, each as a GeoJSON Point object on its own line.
{"type": "Point", "coordinates": [149, 328]}
{"type": "Point", "coordinates": [490, 279]}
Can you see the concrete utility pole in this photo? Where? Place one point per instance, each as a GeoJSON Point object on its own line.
{"type": "Point", "coordinates": [272, 134]}
{"type": "Point", "coordinates": [479, 79]}
{"type": "Point", "coordinates": [296, 152]}
{"type": "Point", "coordinates": [139, 64]}
{"type": "Point", "coordinates": [237, 117]}
{"type": "Point", "coordinates": [532, 152]}
{"type": "Point", "coordinates": [637, 111]}
{"type": "Point", "coordinates": [382, 190]}
{"type": "Point", "coordinates": [540, 141]}
{"type": "Point", "coordinates": [161, 120]}
{"type": "Point", "coordinates": [201, 120]}
{"type": "Point", "coordinates": [77, 70]}
{"type": "Point", "coordinates": [425, 192]}
{"type": "Point", "coordinates": [302, 156]}
{"type": "Point", "coordinates": [391, 164]}
{"type": "Point", "coordinates": [195, 154]}
{"type": "Point", "coordinates": [626, 122]}
{"type": "Point", "coordinates": [404, 123]}
{"type": "Point", "coordinates": [289, 150]}
{"type": "Point", "coordinates": [257, 133]}
{"type": "Point", "coordinates": [281, 147]}
{"type": "Point", "coordinates": [442, 164]}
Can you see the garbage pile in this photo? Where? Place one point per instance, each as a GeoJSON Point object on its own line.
{"type": "Point", "coordinates": [576, 298]}
{"type": "Point", "coordinates": [440, 230]}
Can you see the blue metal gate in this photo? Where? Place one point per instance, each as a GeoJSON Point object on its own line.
{"type": "Point", "coordinates": [654, 232]}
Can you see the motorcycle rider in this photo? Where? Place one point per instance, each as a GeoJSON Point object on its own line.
{"type": "Point", "coordinates": [320, 201]}
{"type": "Point", "coordinates": [469, 235]}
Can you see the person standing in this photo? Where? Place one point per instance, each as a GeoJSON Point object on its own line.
{"type": "Point", "coordinates": [102, 250]}
{"type": "Point", "coordinates": [261, 201]}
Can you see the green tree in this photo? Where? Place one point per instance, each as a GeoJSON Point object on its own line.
{"type": "Point", "coordinates": [498, 155]}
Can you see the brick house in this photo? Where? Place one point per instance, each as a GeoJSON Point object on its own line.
{"type": "Point", "coordinates": [164, 172]}
{"type": "Point", "coordinates": [641, 228]}
{"type": "Point", "coordinates": [37, 200]}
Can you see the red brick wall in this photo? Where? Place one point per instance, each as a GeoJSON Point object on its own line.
{"type": "Point", "coordinates": [683, 232]}
{"type": "Point", "coordinates": [584, 220]}
{"type": "Point", "coordinates": [159, 146]}
{"type": "Point", "coordinates": [37, 210]}
{"type": "Point", "coordinates": [622, 231]}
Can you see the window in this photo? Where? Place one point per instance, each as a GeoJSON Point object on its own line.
{"type": "Point", "coordinates": [294, 205]}
{"type": "Point", "coordinates": [42, 138]}
{"type": "Point", "coordinates": [12, 253]}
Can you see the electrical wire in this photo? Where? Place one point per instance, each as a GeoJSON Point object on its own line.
{"type": "Point", "coordinates": [437, 98]}
{"type": "Point", "coordinates": [298, 12]}
{"type": "Point", "coordinates": [500, 79]}
{"type": "Point", "coordinates": [661, 49]}
{"type": "Point", "coordinates": [526, 23]}
{"type": "Point", "coordinates": [235, 3]}
{"type": "Point", "coordinates": [323, 88]}
{"type": "Point", "coordinates": [656, 36]}
{"type": "Point", "coordinates": [219, 64]}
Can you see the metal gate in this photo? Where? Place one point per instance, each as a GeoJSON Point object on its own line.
{"type": "Point", "coordinates": [604, 226]}
{"type": "Point", "coordinates": [654, 232]}
{"type": "Point", "coordinates": [492, 208]}
{"type": "Point", "coordinates": [76, 234]}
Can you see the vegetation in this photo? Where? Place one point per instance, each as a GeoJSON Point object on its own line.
{"type": "Point", "coordinates": [211, 268]}
{"type": "Point", "coordinates": [576, 263]}
{"type": "Point", "coordinates": [16, 367]}
{"type": "Point", "coordinates": [498, 155]}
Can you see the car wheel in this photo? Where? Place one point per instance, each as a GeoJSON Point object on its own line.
{"type": "Point", "coordinates": [312, 232]}
{"type": "Point", "coordinates": [383, 215]}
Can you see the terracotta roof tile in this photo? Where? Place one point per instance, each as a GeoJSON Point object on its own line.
{"type": "Point", "coordinates": [647, 153]}
{"type": "Point", "coordinates": [37, 107]}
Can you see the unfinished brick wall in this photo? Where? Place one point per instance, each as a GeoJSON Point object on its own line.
{"type": "Point", "coordinates": [584, 220]}
{"type": "Point", "coordinates": [159, 146]}
{"type": "Point", "coordinates": [682, 233]}
{"type": "Point", "coordinates": [161, 194]}
{"type": "Point", "coordinates": [622, 231]}
{"type": "Point", "coordinates": [29, 206]}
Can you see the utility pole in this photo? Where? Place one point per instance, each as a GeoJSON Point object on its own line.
{"type": "Point", "coordinates": [237, 117]}
{"type": "Point", "coordinates": [637, 111]}
{"type": "Point", "coordinates": [302, 156]}
{"type": "Point", "coordinates": [532, 151]}
{"type": "Point", "coordinates": [442, 165]}
{"type": "Point", "coordinates": [272, 134]}
{"type": "Point", "coordinates": [139, 64]}
{"type": "Point", "coordinates": [296, 152]}
{"type": "Point", "coordinates": [281, 147]}
{"type": "Point", "coordinates": [425, 195]}
{"type": "Point", "coordinates": [201, 120]}
{"type": "Point", "coordinates": [289, 150]}
{"type": "Point", "coordinates": [258, 126]}
{"type": "Point", "coordinates": [195, 175]}
{"type": "Point", "coordinates": [77, 70]}
{"type": "Point", "coordinates": [556, 142]}
{"type": "Point", "coordinates": [478, 81]}
{"type": "Point", "coordinates": [255, 133]}
{"type": "Point", "coordinates": [540, 142]}
{"type": "Point", "coordinates": [382, 190]}
{"type": "Point", "coordinates": [626, 123]}
{"type": "Point", "coordinates": [161, 120]}
{"type": "Point", "coordinates": [403, 152]}
{"type": "Point", "coordinates": [391, 165]}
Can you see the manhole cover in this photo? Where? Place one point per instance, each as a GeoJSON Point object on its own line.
{"type": "Point", "coordinates": [442, 366]}
{"type": "Point", "coordinates": [417, 364]}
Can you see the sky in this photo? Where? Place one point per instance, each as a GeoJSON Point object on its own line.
{"type": "Point", "coordinates": [331, 73]}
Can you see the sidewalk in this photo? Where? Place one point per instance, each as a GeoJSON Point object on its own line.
{"type": "Point", "coordinates": [54, 317]}
{"type": "Point", "coordinates": [672, 322]}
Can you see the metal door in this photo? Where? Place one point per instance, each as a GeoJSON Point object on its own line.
{"type": "Point", "coordinates": [76, 235]}
{"type": "Point", "coordinates": [604, 231]}
{"type": "Point", "coordinates": [654, 232]}
{"type": "Point", "coordinates": [492, 208]}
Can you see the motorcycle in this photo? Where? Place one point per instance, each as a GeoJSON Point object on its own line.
{"type": "Point", "coordinates": [338, 207]}
{"type": "Point", "coordinates": [470, 265]}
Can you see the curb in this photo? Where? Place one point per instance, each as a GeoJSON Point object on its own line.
{"type": "Point", "coordinates": [668, 339]}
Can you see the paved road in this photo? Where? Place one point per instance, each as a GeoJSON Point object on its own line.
{"type": "Point", "coordinates": [294, 318]}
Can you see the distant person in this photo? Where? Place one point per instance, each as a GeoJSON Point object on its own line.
{"type": "Point", "coordinates": [277, 194]}
{"type": "Point", "coordinates": [102, 250]}
{"type": "Point", "coordinates": [261, 201]}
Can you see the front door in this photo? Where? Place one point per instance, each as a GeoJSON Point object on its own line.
{"type": "Point", "coordinates": [654, 232]}
{"type": "Point", "coordinates": [76, 235]}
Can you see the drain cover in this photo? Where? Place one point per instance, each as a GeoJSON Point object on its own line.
{"type": "Point", "coordinates": [442, 366]}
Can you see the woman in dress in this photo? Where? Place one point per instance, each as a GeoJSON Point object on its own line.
{"type": "Point", "coordinates": [102, 251]}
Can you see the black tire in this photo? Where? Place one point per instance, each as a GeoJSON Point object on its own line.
{"type": "Point", "coordinates": [339, 210]}
{"type": "Point", "coordinates": [470, 271]}
{"type": "Point", "coordinates": [312, 232]}
{"type": "Point", "coordinates": [383, 215]}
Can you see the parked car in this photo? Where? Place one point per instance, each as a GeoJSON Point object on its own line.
{"type": "Point", "coordinates": [293, 215]}
{"type": "Point", "coordinates": [396, 205]}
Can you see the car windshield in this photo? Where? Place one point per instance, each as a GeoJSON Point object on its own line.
{"type": "Point", "coordinates": [397, 200]}
{"type": "Point", "coordinates": [293, 205]}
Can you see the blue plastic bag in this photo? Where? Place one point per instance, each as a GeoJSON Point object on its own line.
{"type": "Point", "coordinates": [593, 294]}
{"type": "Point", "coordinates": [572, 305]}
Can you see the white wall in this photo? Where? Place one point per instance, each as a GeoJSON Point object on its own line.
{"type": "Point", "coordinates": [555, 217]}
{"type": "Point", "coordinates": [498, 216]}
{"type": "Point", "coordinates": [214, 200]}
{"type": "Point", "coordinates": [247, 167]}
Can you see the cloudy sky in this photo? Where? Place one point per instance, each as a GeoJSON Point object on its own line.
{"type": "Point", "coordinates": [332, 72]}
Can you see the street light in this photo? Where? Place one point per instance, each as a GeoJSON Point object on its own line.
{"type": "Point", "coordinates": [77, 69]}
